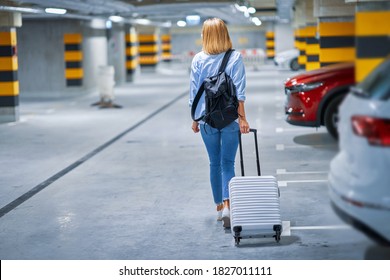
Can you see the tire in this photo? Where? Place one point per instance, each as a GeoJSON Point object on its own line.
{"type": "Point", "coordinates": [294, 65]}
{"type": "Point", "coordinates": [331, 116]}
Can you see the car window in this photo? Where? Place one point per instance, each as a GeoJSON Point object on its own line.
{"type": "Point", "coordinates": [377, 84]}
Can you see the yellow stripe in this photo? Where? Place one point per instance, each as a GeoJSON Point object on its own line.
{"type": "Point", "coordinates": [337, 55]}
{"type": "Point", "coordinates": [73, 56]}
{"type": "Point", "coordinates": [312, 65]}
{"type": "Point", "coordinates": [144, 38]}
{"type": "Point", "coordinates": [363, 67]}
{"type": "Point", "coordinates": [132, 64]}
{"type": "Point", "coordinates": [9, 88]}
{"type": "Point", "coordinates": [131, 38]}
{"type": "Point", "coordinates": [312, 49]}
{"type": "Point", "coordinates": [8, 63]}
{"type": "Point", "coordinates": [148, 59]}
{"type": "Point", "coordinates": [166, 47]}
{"type": "Point", "coordinates": [270, 34]}
{"type": "Point", "coordinates": [372, 23]}
{"type": "Point", "coordinates": [337, 28]}
{"type": "Point", "coordinates": [132, 51]}
{"type": "Point", "coordinates": [270, 53]}
{"type": "Point", "coordinates": [270, 43]}
{"type": "Point", "coordinates": [144, 49]}
{"type": "Point", "coordinates": [75, 38]}
{"type": "Point", "coordinates": [165, 37]}
{"type": "Point", "coordinates": [302, 59]}
{"type": "Point", "coordinates": [74, 73]}
{"type": "Point", "coordinates": [8, 38]}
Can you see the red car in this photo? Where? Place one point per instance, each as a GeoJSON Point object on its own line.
{"type": "Point", "coordinates": [313, 97]}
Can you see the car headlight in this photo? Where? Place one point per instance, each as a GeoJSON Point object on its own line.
{"type": "Point", "coordinates": [303, 87]}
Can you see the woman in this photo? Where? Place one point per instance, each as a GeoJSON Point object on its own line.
{"type": "Point", "coordinates": [221, 145]}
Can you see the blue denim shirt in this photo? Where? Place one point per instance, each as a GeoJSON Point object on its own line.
{"type": "Point", "coordinates": [204, 65]}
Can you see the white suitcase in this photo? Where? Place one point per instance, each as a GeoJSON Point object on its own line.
{"type": "Point", "coordinates": [254, 203]}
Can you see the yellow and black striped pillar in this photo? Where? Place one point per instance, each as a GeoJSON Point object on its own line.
{"type": "Point", "coordinates": [312, 50]}
{"type": "Point", "coordinates": [9, 84]}
{"type": "Point", "coordinates": [131, 54]}
{"type": "Point", "coordinates": [270, 44]}
{"type": "Point", "coordinates": [148, 50]}
{"type": "Point", "coordinates": [372, 41]}
{"type": "Point", "coordinates": [73, 59]}
{"type": "Point", "coordinates": [166, 47]}
{"type": "Point", "coordinates": [301, 46]}
{"type": "Point", "coordinates": [337, 42]}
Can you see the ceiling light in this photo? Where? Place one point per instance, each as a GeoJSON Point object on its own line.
{"type": "Point", "coordinates": [251, 10]}
{"type": "Point", "coordinates": [55, 11]}
{"type": "Point", "coordinates": [181, 23]}
{"type": "Point", "coordinates": [256, 21]}
{"type": "Point", "coordinates": [116, 18]}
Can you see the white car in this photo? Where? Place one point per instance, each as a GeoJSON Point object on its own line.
{"type": "Point", "coordinates": [288, 59]}
{"type": "Point", "coordinates": [359, 177]}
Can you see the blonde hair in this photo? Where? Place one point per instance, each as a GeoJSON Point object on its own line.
{"type": "Point", "coordinates": [215, 36]}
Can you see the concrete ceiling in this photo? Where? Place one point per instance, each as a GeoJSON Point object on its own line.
{"type": "Point", "coordinates": [162, 10]}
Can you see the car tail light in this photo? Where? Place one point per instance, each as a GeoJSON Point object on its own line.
{"type": "Point", "coordinates": [376, 130]}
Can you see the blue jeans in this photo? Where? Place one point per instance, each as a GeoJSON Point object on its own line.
{"type": "Point", "coordinates": [221, 146]}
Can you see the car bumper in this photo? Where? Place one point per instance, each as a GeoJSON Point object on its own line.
{"type": "Point", "coordinates": [350, 204]}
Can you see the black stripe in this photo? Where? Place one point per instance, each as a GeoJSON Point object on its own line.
{"type": "Point", "coordinates": [148, 54]}
{"type": "Point", "coordinates": [74, 64]}
{"type": "Point", "coordinates": [131, 44]}
{"type": "Point", "coordinates": [372, 46]}
{"type": "Point", "coordinates": [271, 48]}
{"type": "Point", "coordinates": [8, 76]}
{"type": "Point", "coordinates": [145, 64]}
{"type": "Point", "coordinates": [23, 198]}
{"type": "Point", "coordinates": [302, 52]}
{"type": "Point", "coordinates": [166, 41]}
{"type": "Point", "coordinates": [72, 47]}
{"type": "Point", "coordinates": [74, 82]}
{"type": "Point", "coordinates": [166, 52]}
{"type": "Point", "coordinates": [7, 50]}
{"type": "Point", "coordinates": [130, 71]}
{"type": "Point", "coordinates": [302, 66]}
{"type": "Point", "coordinates": [148, 44]}
{"type": "Point", "coordinates": [131, 57]}
{"type": "Point", "coordinates": [9, 101]}
{"type": "Point", "coordinates": [312, 40]}
{"type": "Point", "coordinates": [300, 39]}
{"type": "Point", "coordinates": [313, 58]}
{"type": "Point", "coordinates": [337, 42]}
{"type": "Point", "coordinates": [327, 63]}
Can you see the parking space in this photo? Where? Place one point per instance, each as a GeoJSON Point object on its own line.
{"type": "Point", "coordinates": [132, 183]}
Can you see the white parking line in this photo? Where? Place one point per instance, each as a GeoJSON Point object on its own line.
{"type": "Point", "coordinates": [287, 228]}
{"type": "Point", "coordinates": [282, 147]}
{"type": "Point", "coordinates": [285, 183]}
{"type": "Point", "coordinates": [284, 171]}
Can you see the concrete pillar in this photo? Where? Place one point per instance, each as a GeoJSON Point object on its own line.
{"type": "Point", "coordinates": [73, 56]}
{"type": "Point", "coordinates": [372, 31]}
{"type": "Point", "coordinates": [306, 35]}
{"type": "Point", "coordinates": [270, 44]}
{"type": "Point", "coordinates": [166, 46]}
{"type": "Point", "coordinates": [336, 28]}
{"type": "Point", "coordinates": [9, 83]}
{"type": "Point", "coordinates": [116, 48]}
{"type": "Point", "coordinates": [148, 47]}
{"type": "Point", "coordinates": [132, 56]}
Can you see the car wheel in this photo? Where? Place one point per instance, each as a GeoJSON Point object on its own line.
{"type": "Point", "coordinates": [294, 65]}
{"type": "Point", "coordinates": [331, 117]}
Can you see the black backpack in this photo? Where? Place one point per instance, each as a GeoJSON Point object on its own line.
{"type": "Point", "coordinates": [221, 99]}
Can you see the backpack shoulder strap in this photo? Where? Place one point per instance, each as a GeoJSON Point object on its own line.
{"type": "Point", "coordinates": [196, 101]}
{"type": "Point", "coordinates": [225, 60]}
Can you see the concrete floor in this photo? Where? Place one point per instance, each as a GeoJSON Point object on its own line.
{"type": "Point", "coordinates": [79, 182]}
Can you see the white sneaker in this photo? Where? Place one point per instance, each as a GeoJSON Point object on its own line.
{"type": "Point", "coordinates": [226, 217]}
{"type": "Point", "coordinates": [219, 212]}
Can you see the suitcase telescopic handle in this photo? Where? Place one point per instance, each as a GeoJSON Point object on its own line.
{"type": "Point", "coordinates": [257, 152]}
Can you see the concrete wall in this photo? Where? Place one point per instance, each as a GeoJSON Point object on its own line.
{"type": "Point", "coordinates": [41, 57]}
{"type": "Point", "coordinates": [284, 37]}
{"type": "Point", "coordinates": [189, 39]}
